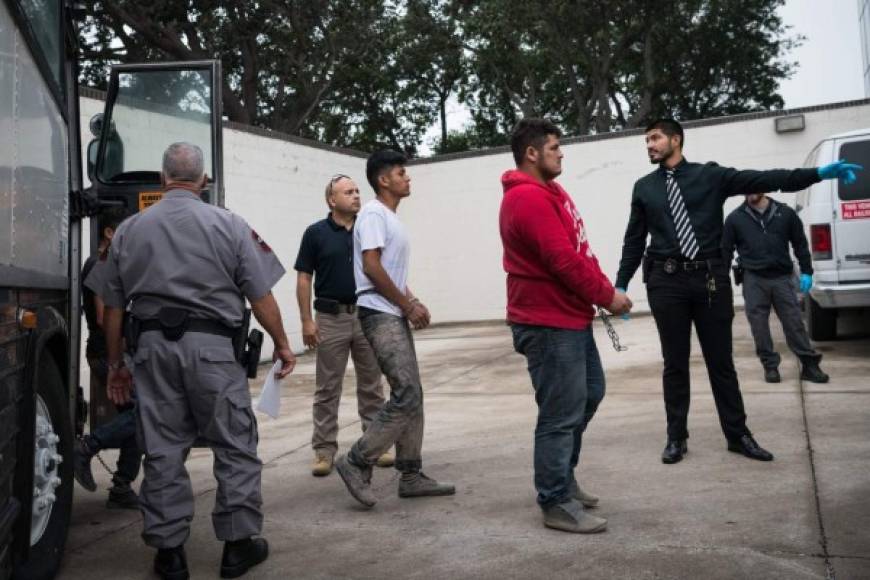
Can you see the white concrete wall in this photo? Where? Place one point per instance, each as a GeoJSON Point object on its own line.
{"type": "Point", "coordinates": [452, 214]}
{"type": "Point", "coordinates": [453, 211]}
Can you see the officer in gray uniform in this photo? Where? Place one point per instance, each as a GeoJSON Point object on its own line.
{"type": "Point", "coordinates": [182, 269]}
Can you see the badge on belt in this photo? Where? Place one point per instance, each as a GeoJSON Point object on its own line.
{"type": "Point", "coordinates": [671, 266]}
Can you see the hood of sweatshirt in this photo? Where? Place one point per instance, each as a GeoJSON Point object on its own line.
{"type": "Point", "coordinates": [513, 178]}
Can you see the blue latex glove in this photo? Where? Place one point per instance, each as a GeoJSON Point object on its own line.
{"type": "Point", "coordinates": [806, 282]}
{"type": "Point", "coordinates": [624, 316]}
{"type": "Point", "coordinates": [840, 169]}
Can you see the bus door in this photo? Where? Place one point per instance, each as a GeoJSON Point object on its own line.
{"type": "Point", "coordinates": [149, 107]}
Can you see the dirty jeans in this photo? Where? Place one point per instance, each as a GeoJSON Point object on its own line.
{"type": "Point", "coordinates": [569, 384]}
{"type": "Point", "coordinates": [342, 335]}
{"type": "Point", "coordinates": [119, 433]}
{"type": "Point", "coordinates": [400, 420]}
{"type": "Point", "coordinates": [759, 294]}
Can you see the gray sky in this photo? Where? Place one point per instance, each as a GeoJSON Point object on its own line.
{"type": "Point", "coordinates": [829, 61]}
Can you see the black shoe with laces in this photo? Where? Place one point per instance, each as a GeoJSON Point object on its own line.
{"type": "Point", "coordinates": [771, 375]}
{"type": "Point", "coordinates": [242, 555]}
{"type": "Point", "coordinates": [171, 563]}
{"type": "Point", "coordinates": [82, 455]}
{"type": "Point", "coordinates": [813, 373]}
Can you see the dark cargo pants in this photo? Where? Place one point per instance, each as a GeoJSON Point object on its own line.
{"type": "Point", "coordinates": [759, 294]}
{"type": "Point", "coordinates": [189, 388]}
{"type": "Point", "coordinates": [400, 420]}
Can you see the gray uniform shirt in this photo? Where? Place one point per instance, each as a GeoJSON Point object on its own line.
{"type": "Point", "coordinates": [185, 253]}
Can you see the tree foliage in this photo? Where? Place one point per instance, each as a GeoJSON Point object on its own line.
{"type": "Point", "coordinates": [379, 73]}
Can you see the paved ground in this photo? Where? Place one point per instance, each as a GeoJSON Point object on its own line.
{"type": "Point", "coordinates": [715, 515]}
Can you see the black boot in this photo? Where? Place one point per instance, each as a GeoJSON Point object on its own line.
{"type": "Point", "coordinates": [171, 563]}
{"type": "Point", "coordinates": [242, 555]}
{"type": "Point", "coordinates": [674, 451]}
{"type": "Point", "coordinates": [771, 375]}
{"type": "Point", "coordinates": [83, 451]}
{"type": "Point", "coordinates": [811, 371]}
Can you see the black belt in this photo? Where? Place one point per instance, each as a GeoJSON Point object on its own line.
{"type": "Point", "coordinates": [348, 308]}
{"type": "Point", "coordinates": [204, 325]}
{"type": "Point", "coordinates": [673, 265]}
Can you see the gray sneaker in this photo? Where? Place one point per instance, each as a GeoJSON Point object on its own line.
{"type": "Point", "coordinates": [358, 481]}
{"type": "Point", "coordinates": [570, 517]}
{"type": "Point", "coordinates": [587, 499]}
{"type": "Point", "coordinates": [418, 485]}
{"type": "Point", "coordinates": [82, 456]}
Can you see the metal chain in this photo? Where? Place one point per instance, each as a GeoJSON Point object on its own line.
{"type": "Point", "coordinates": [106, 467]}
{"type": "Point", "coordinates": [611, 332]}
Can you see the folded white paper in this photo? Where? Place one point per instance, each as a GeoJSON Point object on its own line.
{"type": "Point", "coordinates": [269, 401]}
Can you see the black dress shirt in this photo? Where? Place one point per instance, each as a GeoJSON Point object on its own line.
{"type": "Point", "coordinates": [704, 187]}
{"type": "Point", "coordinates": [326, 252]}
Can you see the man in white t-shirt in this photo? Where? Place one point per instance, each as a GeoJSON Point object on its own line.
{"type": "Point", "coordinates": [386, 310]}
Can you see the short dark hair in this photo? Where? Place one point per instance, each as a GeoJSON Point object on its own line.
{"type": "Point", "coordinates": [531, 133]}
{"type": "Point", "coordinates": [669, 127]}
{"type": "Point", "coordinates": [111, 218]}
{"type": "Point", "coordinates": [381, 161]}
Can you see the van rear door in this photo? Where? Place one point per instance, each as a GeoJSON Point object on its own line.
{"type": "Point", "coordinates": [851, 227]}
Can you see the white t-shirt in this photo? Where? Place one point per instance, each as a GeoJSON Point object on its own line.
{"type": "Point", "coordinates": [377, 226]}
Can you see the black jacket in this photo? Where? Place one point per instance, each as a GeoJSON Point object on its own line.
{"type": "Point", "coordinates": [705, 187]}
{"type": "Point", "coordinates": [762, 240]}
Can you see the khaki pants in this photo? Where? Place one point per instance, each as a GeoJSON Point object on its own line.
{"type": "Point", "coordinates": [341, 335]}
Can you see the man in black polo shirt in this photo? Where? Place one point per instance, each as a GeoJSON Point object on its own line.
{"type": "Point", "coordinates": [326, 254]}
{"type": "Point", "coordinates": [679, 205]}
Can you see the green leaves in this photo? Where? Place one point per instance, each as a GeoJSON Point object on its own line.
{"type": "Point", "coordinates": [378, 73]}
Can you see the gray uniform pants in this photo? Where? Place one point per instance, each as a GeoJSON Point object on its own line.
{"type": "Point", "coordinates": [341, 334]}
{"type": "Point", "coordinates": [759, 294]}
{"type": "Point", "coordinates": [189, 388]}
{"type": "Point", "coordinates": [400, 420]}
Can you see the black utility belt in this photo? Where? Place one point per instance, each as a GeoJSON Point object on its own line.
{"type": "Point", "coordinates": [204, 325]}
{"type": "Point", "coordinates": [674, 265]}
{"type": "Point", "coordinates": [329, 306]}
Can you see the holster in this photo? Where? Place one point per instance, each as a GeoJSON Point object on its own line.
{"type": "Point", "coordinates": [247, 346]}
{"type": "Point", "coordinates": [130, 330]}
{"type": "Point", "coordinates": [173, 322]}
{"type": "Point", "coordinates": [647, 268]}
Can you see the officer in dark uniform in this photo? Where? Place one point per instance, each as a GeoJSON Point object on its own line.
{"type": "Point", "coordinates": [680, 206]}
{"type": "Point", "coordinates": [185, 269]}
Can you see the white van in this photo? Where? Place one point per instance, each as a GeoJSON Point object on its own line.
{"type": "Point", "coordinates": [836, 220]}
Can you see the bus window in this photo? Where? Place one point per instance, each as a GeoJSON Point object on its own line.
{"type": "Point", "coordinates": [153, 109]}
{"type": "Point", "coordinates": [44, 19]}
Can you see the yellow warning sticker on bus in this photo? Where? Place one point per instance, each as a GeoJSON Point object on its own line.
{"type": "Point", "coordinates": [149, 198]}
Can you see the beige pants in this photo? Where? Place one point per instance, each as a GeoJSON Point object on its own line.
{"type": "Point", "coordinates": [340, 335]}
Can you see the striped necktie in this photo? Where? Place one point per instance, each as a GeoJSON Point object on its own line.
{"type": "Point", "coordinates": [685, 233]}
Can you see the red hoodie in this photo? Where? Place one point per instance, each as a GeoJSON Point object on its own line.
{"type": "Point", "coordinates": [553, 278]}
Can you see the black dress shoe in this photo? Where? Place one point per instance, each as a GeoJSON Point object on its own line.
{"type": "Point", "coordinates": [748, 447]}
{"type": "Point", "coordinates": [771, 375]}
{"type": "Point", "coordinates": [674, 451]}
{"type": "Point", "coordinates": [242, 555]}
{"type": "Point", "coordinates": [171, 563]}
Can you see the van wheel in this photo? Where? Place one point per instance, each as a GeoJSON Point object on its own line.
{"type": "Point", "coordinates": [51, 503]}
{"type": "Point", "coordinates": [821, 322]}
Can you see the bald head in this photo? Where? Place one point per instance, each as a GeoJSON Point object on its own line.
{"type": "Point", "coordinates": [183, 162]}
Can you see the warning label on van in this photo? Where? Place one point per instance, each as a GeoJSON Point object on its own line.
{"type": "Point", "coordinates": [149, 198]}
{"type": "Point", "coordinates": [855, 210]}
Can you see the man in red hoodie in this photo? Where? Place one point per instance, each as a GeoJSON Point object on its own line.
{"type": "Point", "coordinates": [553, 282]}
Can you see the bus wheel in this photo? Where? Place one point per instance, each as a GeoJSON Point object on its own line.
{"type": "Point", "coordinates": [52, 475]}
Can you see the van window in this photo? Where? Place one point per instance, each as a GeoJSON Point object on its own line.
{"type": "Point", "coordinates": [44, 18]}
{"type": "Point", "coordinates": [856, 152]}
